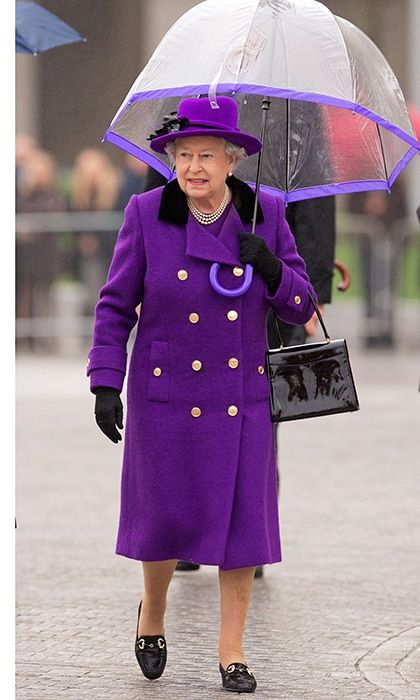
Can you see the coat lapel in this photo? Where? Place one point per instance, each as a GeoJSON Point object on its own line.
{"type": "Point", "coordinates": [200, 243]}
{"type": "Point", "coordinates": [229, 233]}
{"type": "Point", "coordinates": [223, 249]}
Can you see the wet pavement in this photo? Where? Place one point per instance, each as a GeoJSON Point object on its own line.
{"type": "Point", "coordinates": [339, 618]}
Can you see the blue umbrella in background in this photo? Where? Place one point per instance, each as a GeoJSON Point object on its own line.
{"type": "Point", "coordinates": [38, 30]}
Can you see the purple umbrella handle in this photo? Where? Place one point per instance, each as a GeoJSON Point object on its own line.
{"type": "Point", "coordinates": [214, 270]}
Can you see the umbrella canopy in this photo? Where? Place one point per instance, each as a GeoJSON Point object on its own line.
{"type": "Point", "coordinates": [38, 30]}
{"type": "Point", "coordinates": [338, 120]}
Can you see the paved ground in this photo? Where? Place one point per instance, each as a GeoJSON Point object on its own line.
{"type": "Point", "coordinates": [338, 619]}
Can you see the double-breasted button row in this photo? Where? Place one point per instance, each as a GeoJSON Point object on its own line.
{"type": "Point", "coordinates": [183, 274]}
{"type": "Point", "coordinates": [197, 365]}
{"type": "Point", "coordinates": [232, 315]}
{"type": "Point", "coordinates": [231, 410]}
{"type": "Point", "coordinates": [232, 362]}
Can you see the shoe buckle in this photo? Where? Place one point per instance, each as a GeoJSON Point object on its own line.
{"type": "Point", "coordinates": [160, 643]}
{"type": "Point", "coordinates": [232, 668]}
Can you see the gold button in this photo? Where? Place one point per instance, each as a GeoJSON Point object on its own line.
{"type": "Point", "coordinates": [196, 412]}
{"type": "Point", "coordinates": [238, 271]}
{"type": "Point", "coordinates": [196, 365]}
{"type": "Point", "coordinates": [233, 362]}
{"type": "Point", "coordinates": [297, 299]}
{"type": "Point", "coordinates": [157, 371]}
{"type": "Point", "coordinates": [182, 274]}
{"type": "Point", "coordinates": [232, 410]}
{"type": "Point", "coordinates": [232, 315]}
{"type": "Point", "coordinates": [260, 369]}
{"type": "Point", "coordinates": [194, 318]}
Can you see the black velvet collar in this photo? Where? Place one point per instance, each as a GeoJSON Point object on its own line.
{"type": "Point", "coordinates": [174, 209]}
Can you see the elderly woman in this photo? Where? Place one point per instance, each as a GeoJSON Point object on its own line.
{"type": "Point", "coordinates": [203, 489]}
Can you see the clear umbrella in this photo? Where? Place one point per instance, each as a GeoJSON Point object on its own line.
{"type": "Point", "coordinates": [338, 121]}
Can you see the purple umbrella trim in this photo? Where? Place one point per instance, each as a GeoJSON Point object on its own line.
{"type": "Point", "coordinates": [273, 92]}
{"type": "Point", "coordinates": [295, 195]}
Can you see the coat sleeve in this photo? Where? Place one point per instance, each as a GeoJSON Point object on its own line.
{"type": "Point", "coordinates": [115, 312]}
{"type": "Point", "coordinates": [291, 302]}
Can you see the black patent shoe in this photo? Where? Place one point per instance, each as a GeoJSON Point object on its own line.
{"type": "Point", "coordinates": [238, 678]}
{"type": "Point", "coordinates": [150, 653]}
{"type": "Point", "coordinates": [186, 566]}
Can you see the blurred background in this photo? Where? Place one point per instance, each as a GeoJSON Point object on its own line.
{"type": "Point", "coordinates": [71, 189]}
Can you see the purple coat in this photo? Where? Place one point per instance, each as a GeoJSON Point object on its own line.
{"type": "Point", "coordinates": [199, 469]}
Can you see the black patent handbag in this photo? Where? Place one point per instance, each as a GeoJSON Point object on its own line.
{"type": "Point", "coordinates": [310, 380]}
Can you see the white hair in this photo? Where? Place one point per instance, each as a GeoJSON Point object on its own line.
{"type": "Point", "coordinates": [238, 153]}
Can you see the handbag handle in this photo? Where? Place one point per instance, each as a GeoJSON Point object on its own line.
{"type": "Point", "coordinates": [320, 319]}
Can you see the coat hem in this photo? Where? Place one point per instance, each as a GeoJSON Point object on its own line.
{"type": "Point", "coordinates": [203, 561]}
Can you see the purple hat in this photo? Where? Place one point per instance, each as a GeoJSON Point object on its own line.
{"type": "Point", "coordinates": [196, 117]}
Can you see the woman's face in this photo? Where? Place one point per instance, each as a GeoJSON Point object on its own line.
{"type": "Point", "coordinates": [202, 166]}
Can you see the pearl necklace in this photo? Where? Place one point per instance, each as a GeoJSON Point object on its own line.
{"type": "Point", "coordinates": [207, 219]}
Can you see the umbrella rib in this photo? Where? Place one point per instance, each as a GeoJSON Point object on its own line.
{"type": "Point", "coordinates": [383, 152]}
{"type": "Point", "coordinates": [245, 42]}
{"type": "Point", "coordinates": [353, 85]}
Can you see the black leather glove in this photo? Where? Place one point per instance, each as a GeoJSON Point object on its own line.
{"type": "Point", "coordinates": [109, 412]}
{"type": "Point", "coordinates": [255, 251]}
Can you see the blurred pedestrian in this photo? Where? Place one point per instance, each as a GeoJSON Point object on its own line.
{"type": "Point", "coordinates": [25, 144]}
{"type": "Point", "coordinates": [95, 185]}
{"type": "Point", "coordinates": [204, 488]}
{"type": "Point", "coordinates": [132, 181]}
{"type": "Point", "coordinates": [38, 260]}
